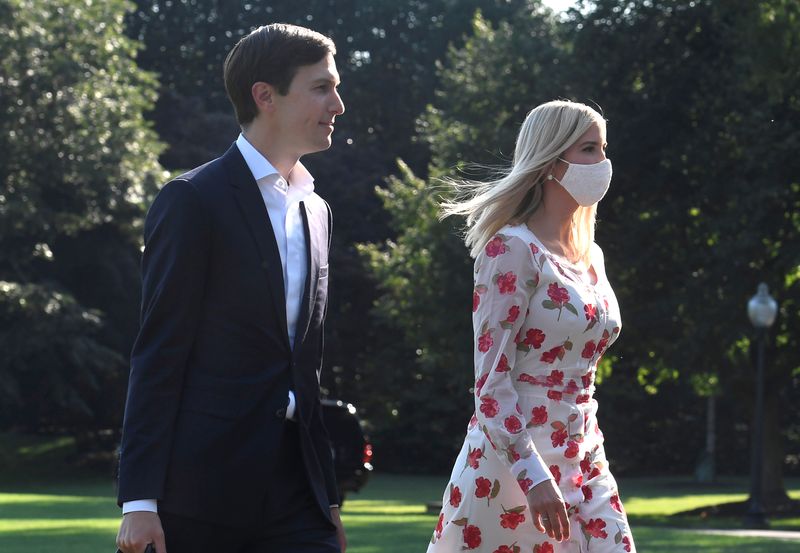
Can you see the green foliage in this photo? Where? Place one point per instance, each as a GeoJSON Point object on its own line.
{"type": "Point", "coordinates": [424, 276]}
{"type": "Point", "coordinates": [425, 273]}
{"type": "Point", "coordinates": [703, 115]}
{"type": "Point", "coordinates": [78, 164]}
{"type": "Point", "coordinates": [61, 382]}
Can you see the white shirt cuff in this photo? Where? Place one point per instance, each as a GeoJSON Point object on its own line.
{"type": "Point", "coordinates": [291, 407]}
{"type": "Point", "coordinates": [150, 505]}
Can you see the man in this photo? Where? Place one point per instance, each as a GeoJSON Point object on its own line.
{"type": "Point", "coordinates": [223, 445]}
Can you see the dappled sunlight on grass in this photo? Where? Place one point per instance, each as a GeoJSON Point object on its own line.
{"type": "Point", "coordinates": [59, 526]}
{"type": "Point", "coordinates": [676, 504]}
{"type": "Point", "coordinates": [388, 516]}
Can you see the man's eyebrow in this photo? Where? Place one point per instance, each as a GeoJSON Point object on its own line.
{"type": "Point", "coordinates": [330, 79]}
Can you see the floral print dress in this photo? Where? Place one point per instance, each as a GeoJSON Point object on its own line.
{"type": "Point", "coordinates": [541, 326]}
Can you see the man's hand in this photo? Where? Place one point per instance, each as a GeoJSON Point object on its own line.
{"type": "Point", "coordinates": [337, 520]}
{"type": "Point", "coordinates": [139, 528]}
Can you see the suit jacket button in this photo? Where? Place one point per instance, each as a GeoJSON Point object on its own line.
{"type": "Point", "coordinates": [281, 413]}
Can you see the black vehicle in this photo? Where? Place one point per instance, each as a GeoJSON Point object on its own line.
{"type": "Point", "coordinates": [352, 452]}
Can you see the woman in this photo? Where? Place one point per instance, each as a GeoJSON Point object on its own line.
{"type": "Point", "coordinates": [532, 474]}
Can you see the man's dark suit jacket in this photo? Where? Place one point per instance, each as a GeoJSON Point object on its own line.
{"type": "Point", "coordinates": [212, 366]}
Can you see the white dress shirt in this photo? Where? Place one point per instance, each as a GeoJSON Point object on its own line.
{"type": "Point", "coordinates": [282, 200]}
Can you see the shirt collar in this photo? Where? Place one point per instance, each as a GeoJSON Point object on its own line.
{"type": "Point", "coordinates": [260, 167]}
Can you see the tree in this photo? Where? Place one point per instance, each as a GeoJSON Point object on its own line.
{"type": "Point", "coordinates": [702, 119]}
{"type": "Point", "coordinates": [700, 95]}
{"type": "Point", "coordinates": [79, 162]}
{"type": "Point", "coordinates": [425, 272]}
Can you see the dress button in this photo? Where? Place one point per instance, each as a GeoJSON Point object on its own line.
{"type": "Point", "coordinates": [281, 413]}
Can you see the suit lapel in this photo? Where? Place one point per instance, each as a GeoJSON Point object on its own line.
{"type": "Point", "coordinates": [255, 215]}
{"type": "Point", "coordinates": [314, 241]}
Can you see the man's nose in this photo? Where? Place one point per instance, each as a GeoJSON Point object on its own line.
{"type": "Point", "coordinates": [338, 107]}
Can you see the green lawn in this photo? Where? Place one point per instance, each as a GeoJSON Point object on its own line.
{"type": "Point", "coordinates": [45, 509]}
{"type": "Point", "coordinates": [387, 517]}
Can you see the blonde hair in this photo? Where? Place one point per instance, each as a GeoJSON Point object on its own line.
{"type": "Point", "coordinates": [547, 131]}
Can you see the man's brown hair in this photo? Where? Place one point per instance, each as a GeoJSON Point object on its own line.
{"type": "Point", "coordinates": [271, 54]}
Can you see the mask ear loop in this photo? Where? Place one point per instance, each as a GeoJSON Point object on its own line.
{"type": "Point", "coordinates": [550, 175]}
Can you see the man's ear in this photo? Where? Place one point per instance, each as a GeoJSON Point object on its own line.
{"type": "Point", "coordinates": [263, 96]}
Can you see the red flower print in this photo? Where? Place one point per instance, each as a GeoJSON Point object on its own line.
{"type": "Point", "coordinates": [595, 528]}
{"type": "Point", "coordinates": [546, 547]}
{"type": "Point", "coordinates": [483, 487]}
{"type": "Point", "coordinates": [440, 526]}
{"type": "Point", "coordinates": [513, 313]}
{"type": "Point", "coordinates": [616, 504]}
{"type": "Point", "coordinates": [588, 350]}
{"type": "Point", "coordinates": [590, 311]}
{"type": "Point", "coordinates": [586, 463]}
{"type": "Point", "coordinates": [534, 338]}
{"type": "Point", "coordinates": [473, 421]}
{"type": "Point", "coordinates": [489, 406]}
{"type": "Point", "coordinates": [627, 541]}
{"type": "Point", "coordinates": [525, 484]}
{"type": "Point", "coordinates": [504, 549]}
{"type": "Point", "coordinates": [603, 343]}
{"type": "Point", "coordinates": [476, 301]}
{"type": "Point", "coordinates": [502, 365]}
{"type": "Point", "coordinates": [572, 449]}
{"type": "Point", "coordinates": [552, 355]}
{"type": "Point", "coordinates": [512, 519]}
{"type": "Point", "coordinates": [577, 479]}
{"type": "Point", "coordinates": [556, 472]}
{"type": "Point", "coordinates": [583, 398]}
{"type": "Point", "coordinates": [513, 453]}
{"type": "Point", "coordinates": [496, 247]}
{"type": "Point", "coordinates": [586, 379]}
{"type": "Point", "coordinates": [559, 437]}
{"type": "Point", "coordinates": [534, 248]}
{"type": "Point", "coordinates": [538, 415]}
{"type": "Point", "coordinates": [556, 378]}
{"type": "Point", "coordinates": [512, 424]}
{"type": "Point", "coordinates": [571, 387]}
{"type": "Point", "coordinates": [479, 384]}
{"type": "Point", "coordinates": [473, 458]}
{"type": "Point", "coordinates": [554, 394]}
{"type": "Point", "coordinates": [485, 341]}
{"type": "Point", "coordinates": [506, 282]}
{"type": "Point", "coordinates": [559, 295]}
{"type": "Point", "coordinates": [594, 474]}
{"type": "Point", "coordinates": [455, 496]}
{"type": "Point", "coordinates": [587, 493]}
{"type": "Point", "coordinates": [472, 536]}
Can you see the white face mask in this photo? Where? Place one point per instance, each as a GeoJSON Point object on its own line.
{"type": "Point", "coordinates": [586, 183]}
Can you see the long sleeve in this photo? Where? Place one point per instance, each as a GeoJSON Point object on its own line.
{"type": "Point", "coordinates": [174, 265]}
{"type": "Point", "coordinates": [505, 279]}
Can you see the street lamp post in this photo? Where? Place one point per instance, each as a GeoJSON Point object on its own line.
{"type": "Point", "coordinates": [761, 309]}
